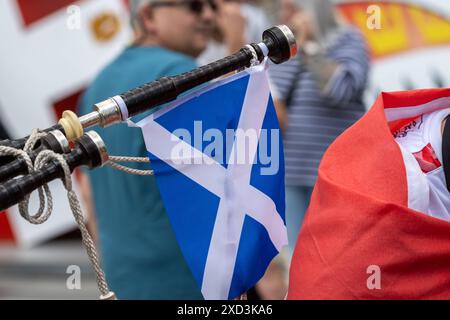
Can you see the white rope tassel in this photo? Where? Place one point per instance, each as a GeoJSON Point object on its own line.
{"type": "Point", "coordinates": [45, 196]}
{"type": "Point", "coordinates": [113, 163]}
{"type": "Point", "coordinates": [46, 199]}
{"type": "Point", "coordinates": [42, 159]}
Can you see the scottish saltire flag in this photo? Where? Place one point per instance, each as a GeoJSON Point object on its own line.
{"type": "Point", "coordinates": [218, 160]}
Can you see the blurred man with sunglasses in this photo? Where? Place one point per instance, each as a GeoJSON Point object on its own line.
{"type": "Point", "coordinates": [140, 254]}
{"type": "Point", "coordinates": [182, 26]}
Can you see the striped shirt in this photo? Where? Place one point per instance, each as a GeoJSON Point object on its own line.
{"type": "Point", "coordinates": [316, 119]}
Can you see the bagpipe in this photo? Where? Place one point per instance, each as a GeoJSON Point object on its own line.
{"type": "Point", "coordinates": [68, 137]}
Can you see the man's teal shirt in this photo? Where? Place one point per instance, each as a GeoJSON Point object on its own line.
{"type": "Point", "coordinates": [140, 255]}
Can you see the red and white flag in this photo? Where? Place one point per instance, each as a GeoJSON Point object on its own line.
{"type": "Point", "coordinates": [363, 236]}
{"type": "Point", "coordinates": [51, 50]}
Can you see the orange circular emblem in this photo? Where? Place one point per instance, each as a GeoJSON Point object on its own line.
{"type": "Point", "coordinates": [105, 26]}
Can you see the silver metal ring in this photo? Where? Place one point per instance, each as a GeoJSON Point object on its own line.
{"type": "Point", "coordinates": [95, 137]}
{"type": "Point", "coordinates": [290, 37]}
{"type": "Point", "coordinates": [109, 112]}
{"type": "Point", "coordinates": [123, 107]}
{"type": "Point", "coordinates": [62, 140]}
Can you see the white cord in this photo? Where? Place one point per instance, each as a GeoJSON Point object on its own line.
{"type": "Point", "coordinates": [114, 159]}
{"type": "Point", "coordinates": [254, 61]}
{"type": "Point", "coordinates": [45, 196]}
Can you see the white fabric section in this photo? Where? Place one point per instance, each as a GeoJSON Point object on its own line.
{"type": "Point", "coordinates": [233, 205]}
{"type": "Point", "coordinates": [427, 192]}
{"type": "Point", "coordinates": [418, 188]}
{"type": "Point", "coordinates": [411, 136]}
{"type": "Point", "coordinates": [252, 118]}
{"type": "Point", "coordinates": [439, 195]}
{"type": "Point", "coordinates": [261, 208]}
{"type": "Point", "coordinates": [264, 49]}
{"type": "Point", "coordinates": [393, 114]}
{"type": "Point", "coordinates": [223, 248]}
{"type": "Point", "coordinates": [433, 130]}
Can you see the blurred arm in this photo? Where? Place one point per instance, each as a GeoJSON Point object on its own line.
{"type": "Point", "coordinates": [281, 109]}
{"type": "Point", "coordinates": [343, 78]}
{"type": "Point", "coordinates": [233, 25]}
{"type": "Point", "coordinates": [282, 84]}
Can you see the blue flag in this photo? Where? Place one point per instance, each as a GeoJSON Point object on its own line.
{"type": "Point", "coordinates": [218, 160]}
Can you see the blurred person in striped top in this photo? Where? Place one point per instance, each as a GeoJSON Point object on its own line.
{"type": "Point", "coordinates": [318, 95]}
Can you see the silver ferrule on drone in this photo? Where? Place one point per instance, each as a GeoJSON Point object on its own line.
{"type": "Point", "coordinates": [61, 140]}
{"type": "Point", "coordinates": [291, 39]}
{"type": "Point", "coordinates": [105, 114]}
{"type": "Point", "coordinates": [101, 146]}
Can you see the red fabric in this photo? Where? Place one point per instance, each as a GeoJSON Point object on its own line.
{"type": "Point", "coordinates": [427, 159]}
{"type": "Point", "coordinates": [359, 217]}
{"type": "Point", "coordinates": [33, 11]}
{"type": "Point", "coordinates": [6, 233]}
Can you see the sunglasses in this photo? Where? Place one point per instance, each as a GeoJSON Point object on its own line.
{"type": "Point", "coordinates": [194, 6]}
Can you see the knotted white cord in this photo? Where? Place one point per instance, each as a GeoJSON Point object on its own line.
{"type": "Point", "coordinates": [43, 158]}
